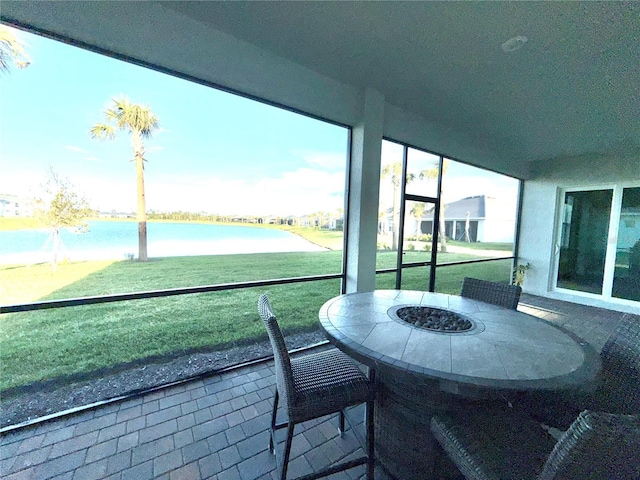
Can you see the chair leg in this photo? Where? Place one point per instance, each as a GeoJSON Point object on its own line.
{"type": "Point", "coordinates": [341, 425]}
{"type": "Point", "coordinates": [287, 451]}
{"type": "Point", "coordinates": [370, 440]}
{"type": "Point", "coordinates": [272, 447]}
{"type": "Point", "coordinates": [370, 428]}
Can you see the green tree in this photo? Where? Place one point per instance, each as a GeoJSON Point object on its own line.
{"type": "Point", "coordinates": [432, 174]}
{"type": "Point", "coordinates": [12, 52]}
{"type": "Point", "coordinates": [140, 123]}
{"type": "Point", "coordinates": [393, 171]}
{"type": "Point", "coordinates": [59, 206]}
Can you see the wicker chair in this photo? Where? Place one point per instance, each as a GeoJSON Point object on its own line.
{"type": "Point", "coordinates": [618, 392]}
{"type": "Point", "coordinates": [313, 386]}
{"type": "Point", "coordinates": [499, 294]}
{"type": "Point", "coordinates": [506, 446]}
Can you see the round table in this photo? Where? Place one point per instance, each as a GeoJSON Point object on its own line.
{"type": "Point", "coordinates": [421, 371]}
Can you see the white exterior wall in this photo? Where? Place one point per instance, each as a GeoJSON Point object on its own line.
{"type": "Point", "coordinates": [541, 208]}
{"type": "Point", "coordinates": [500, 221]}
{"type": "Point", "coordinates": [496, 230]}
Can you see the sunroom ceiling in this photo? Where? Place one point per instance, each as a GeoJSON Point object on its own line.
{"type": "Point", "coordinates": [572, 90]}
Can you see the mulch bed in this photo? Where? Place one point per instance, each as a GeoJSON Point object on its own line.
{"type": "Point", "coordinates": [47, 398]}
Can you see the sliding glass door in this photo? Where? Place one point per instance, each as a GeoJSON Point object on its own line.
{"type": "Point", "coordinates": [599, 242]}
{"type": "Point", "coordinates": [626, 274]}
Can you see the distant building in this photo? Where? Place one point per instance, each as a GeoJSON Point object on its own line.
{"type": "Point", "coordinates": [473, 219]}
{"type": "Point", "coordinates": [114, 214]}
{"type": "Point", "coordinates": [15, 206]}
{"type": "Point", "coordinates": [477, 219]}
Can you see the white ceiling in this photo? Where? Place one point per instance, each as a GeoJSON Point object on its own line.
{"type": "Point", "coordinates": [572, 90]}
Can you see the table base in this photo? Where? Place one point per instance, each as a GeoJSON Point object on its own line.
{"type": "Point", "coordinates": [404, 407]}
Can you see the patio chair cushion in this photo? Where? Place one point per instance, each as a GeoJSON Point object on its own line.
{"type": "Point", "coordinates": [326, 382]}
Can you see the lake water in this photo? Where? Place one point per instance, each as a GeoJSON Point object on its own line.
{"type": "Point", "coordinates": [116, 240]}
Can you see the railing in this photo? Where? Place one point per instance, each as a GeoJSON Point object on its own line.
{"type": "Point", "coordinates": [72, 302]}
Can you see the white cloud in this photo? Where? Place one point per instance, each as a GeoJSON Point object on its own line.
{"type": "Point", "coordinates": [293, 193]}
{"type": "Point", "coordinates": [73, 148]}
{"type": "Point", "coordinates": [326, 160]}
{"type": "Point", "coordinates": [19, 183]}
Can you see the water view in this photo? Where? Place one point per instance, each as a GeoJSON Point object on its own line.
{"type": "Point", "coordinates": [119, 240]}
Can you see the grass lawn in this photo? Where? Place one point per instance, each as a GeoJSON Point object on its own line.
{"type": "Point", "coordinates": [52, 343]}
{"type": "Point", "coordinates": [17, 223]}
{"type": "Point", "coordinates": [505, 247]}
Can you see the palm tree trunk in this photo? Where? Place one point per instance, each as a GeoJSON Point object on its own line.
{"type": "Point", "coordinates": [395, 219]}
{"type": "Point", "coordinates": [442, 234]}
{"type": "Point", "coordinates": [142, 211]}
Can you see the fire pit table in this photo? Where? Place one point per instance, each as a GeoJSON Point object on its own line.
{"type": "Point", "coordinates": [433, 352]}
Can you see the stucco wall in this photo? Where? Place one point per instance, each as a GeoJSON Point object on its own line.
{"type": "Point", "coordinates": [497, 230]}
{"type": "Point", "coordinates": [541, 207]}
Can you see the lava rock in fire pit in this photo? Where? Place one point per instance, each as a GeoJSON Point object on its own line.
{"type": "Point", "coordinates": [434, 319]}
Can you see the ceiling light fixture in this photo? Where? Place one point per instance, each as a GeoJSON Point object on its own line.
{"type": "Point", "coordinates": [514, 43]}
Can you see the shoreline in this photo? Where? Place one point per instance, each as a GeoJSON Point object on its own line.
{"type": "Point", "coordinates": [301, 239]}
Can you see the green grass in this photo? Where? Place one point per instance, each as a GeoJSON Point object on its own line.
{"type": "Point", "coordinates": [61, 342]}
{"type": "Point", "coordinates": [53, 343]}
{"type": "Point", "coordinates": [19, 223]}
{"type": "Point", "coordinates": [506, 247]}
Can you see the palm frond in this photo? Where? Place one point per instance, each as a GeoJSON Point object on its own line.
{"type": "Point", "coordinates": [102, 131]}
{"type": "Point", "coordinates": [11, 51]}
{"type": "Point", "coordinates": [137, 119]}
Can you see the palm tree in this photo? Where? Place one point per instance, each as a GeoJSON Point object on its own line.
{"type": "Point", "coordinates": [432, 174]}
{"type": "Point", "coordinates": [140, 122]}
{"type": "Point", "coordinates": [393, 171]}
{"type": "Point", "coordinates": [417, 210]}
{"type": "Point", "coordinates": [11, 51]}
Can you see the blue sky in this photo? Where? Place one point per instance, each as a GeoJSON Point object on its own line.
{"type": "Point", "coordinates": [214, 152]}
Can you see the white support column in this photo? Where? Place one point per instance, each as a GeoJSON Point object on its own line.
{"type": "Point", "coordinates": [366, 144]}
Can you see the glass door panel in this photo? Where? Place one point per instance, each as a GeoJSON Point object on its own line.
{"type": "Point", "coordinates": [626, 277]}
{"type": "Point", "coordinates": [585, 230]}
{"type": "Point", "coordinates": [422, 173]}
{"type": "Point", "coordinates": [416, 244]}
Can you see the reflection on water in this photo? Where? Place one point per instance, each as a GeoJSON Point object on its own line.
{"type": "Point", "coordinates": [118, 240]}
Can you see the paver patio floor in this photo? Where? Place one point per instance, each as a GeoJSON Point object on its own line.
{"type": "Point", "coordinates": [215, 427]}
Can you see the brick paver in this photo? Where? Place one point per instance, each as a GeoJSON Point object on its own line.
{"type": "Point", "coordinates": [213, 428]}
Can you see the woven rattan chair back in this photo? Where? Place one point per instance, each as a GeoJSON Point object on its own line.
{"type": "Point", "coordinates": [284, 373]}
{"type": "Point", "coordinates": [596, 446]}
{"type": "Point", "coordinates": [499, 445]}
{"type": "Point", "coordinates": [499, 294]}
{"type": "Point", "coordinates": [620, 392]}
